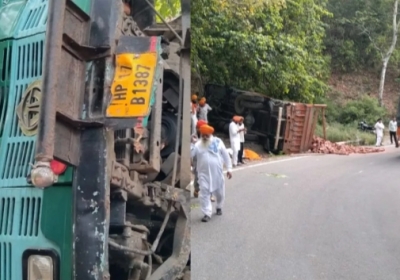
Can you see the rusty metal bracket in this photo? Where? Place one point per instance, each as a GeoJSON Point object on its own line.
{"type": "Point", "coordinates": [84, 53]}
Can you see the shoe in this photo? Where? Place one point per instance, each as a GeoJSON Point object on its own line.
{"type": "Point", "coordinates": [212, 198]}
{"type": "Point", "coordinates": [196, 194]}
{"type": "Point", "coordinates": [205, 219]}
{"type": "Point", "coordinates": [219, 212]}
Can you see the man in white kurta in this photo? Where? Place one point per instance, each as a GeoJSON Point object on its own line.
{"type": "Point", "coordinates": [379, 127]}
{"type": "Point", "coordinates": [195, 138]}
{"type": "Point", "coordinates": [210, 155]}
{"type": "Point", "coordinates": [234, 137]}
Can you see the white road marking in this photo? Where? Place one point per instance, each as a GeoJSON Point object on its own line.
{"type": "Point", "coordinates": [265, 163]}
{"type": "Point", "coordinates": [261, 164]}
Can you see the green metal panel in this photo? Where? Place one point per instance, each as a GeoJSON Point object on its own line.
{"type": "Point", "coordinates": [33, 19]}
{"type": "Point", "coordinates": [16, 149]}
{"type": "Point", "coordinates": [21, 215]}
{"type": "Point", "coordinates": [10, 14]}
{"type": "Point", "coordinates": [56, 224]}
{"type": "Point", "coordinates": [5, 68]}
{"type": "Point", "coordinates": [84, 5]}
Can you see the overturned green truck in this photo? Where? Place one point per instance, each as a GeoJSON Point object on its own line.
{"type": "Point", "coordinates": [92, 184]}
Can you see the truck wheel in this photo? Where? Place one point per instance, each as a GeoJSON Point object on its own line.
{"type": "Point", "coordinates": [168, 133]}
{"type": "Point", "coordinates": [251, 137]}
{"type": "Point", "coordinates": [247, 96]}
{"type": "Point", "coordinates": [243, 102]}
{"type": "Point", "coordinates": [252, 105]}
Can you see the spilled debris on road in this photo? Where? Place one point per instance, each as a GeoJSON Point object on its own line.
{"type": "Point", "coordinates": [321, 146]}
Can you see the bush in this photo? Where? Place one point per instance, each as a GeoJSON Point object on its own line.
{"type": "Point", "coordinates": [364, 109]}
{"type": "Point", "coordinates": [336, 132]}
{"type": "Point", "coordinates": [352, 112]}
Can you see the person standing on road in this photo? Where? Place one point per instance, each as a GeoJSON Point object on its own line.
{"type": "Point", "coordinates": [210, 156]}
{"type": "Point", "coordinates": [393, 132]}
{"type": "Point", "coordinates": [203, 109]}
{"type": "Point", "coordinates": [193, 113]}
{"type": "Point", "coordinates": [379, 127]}
{"type": "Point", "coordinates": [241, 133]}
{"type": "Point", "coordinates": [234, 137]}
{"type": "Point", "coordinates": [195, 137]}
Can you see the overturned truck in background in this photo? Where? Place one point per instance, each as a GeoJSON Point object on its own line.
{"type": "Point", "coordinates": [92, 181]}
{"type": "Point", "coordinates": [275, 124]}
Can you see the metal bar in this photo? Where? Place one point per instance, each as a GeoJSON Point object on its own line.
{"type": "Point", "coordinates": [185, 173]}
{"type": "Point", "coordinates": [91, 202]}
{"type": "Point", "coordinates": [278, 130]}
{"type": "Point", "coordinates": [47, 122]}
{"type": "Point", "coordinates": [165, 22]}
{"type": "Point", "coordinates": [324, 122]}
{"type": "Point", "coordinates": [179, 121]}
{"type": "Point", "coordinates": [305, 124]}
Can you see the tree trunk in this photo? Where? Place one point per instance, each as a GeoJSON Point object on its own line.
{"type": "Point", "coordinates": [388, 54]}
{"type": "Point", "coordinates": [382, 80]}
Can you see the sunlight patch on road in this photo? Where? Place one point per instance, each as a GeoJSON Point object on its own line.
{"type": "Point", "coordinates": [275, 175]}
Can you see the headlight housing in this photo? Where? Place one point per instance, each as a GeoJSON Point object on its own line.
{"type": "Point", "coordinates": [40, 268]}
{"type": "Point", "coordinates": [40, 265]}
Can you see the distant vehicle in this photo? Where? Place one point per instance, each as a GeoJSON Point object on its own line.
{"type": "Point", "coordinates": [363, 126]}
{"type": "Point", "coordinates": [277, 125]}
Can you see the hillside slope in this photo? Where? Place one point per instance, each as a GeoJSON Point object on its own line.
{"type": "Point", "coordinates": [352, 86]}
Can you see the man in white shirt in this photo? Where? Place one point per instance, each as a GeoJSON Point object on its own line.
{"type": "Point", "coordinates": [379, 127]}
{"type": "Point", "coordinates": [234, 136]}
{"type": "Point", "coordinates": [203, 109]}
{"type": "Point", "coordinates": [210, 156]}
{"type": "Point", "coordinates": [393, 132]}
{"type": "Point", "coordinates": [242, 133]}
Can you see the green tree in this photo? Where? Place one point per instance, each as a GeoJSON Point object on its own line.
{"type": "Point", "coordinates": [273, 48]}
{"type": "Point", "coordinates": [169, 9]}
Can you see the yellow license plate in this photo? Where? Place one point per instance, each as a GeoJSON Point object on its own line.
{"type": "Point", "coordinates": [132, 86]}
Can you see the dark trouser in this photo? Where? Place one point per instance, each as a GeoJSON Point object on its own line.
{"type": "Point", "coordinates": [393, 136]}
{"type": "Point", "coordinates": [240, 154]}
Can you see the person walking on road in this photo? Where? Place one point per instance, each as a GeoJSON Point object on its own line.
{"type": "Point", "coordinates": [234, 137]}
{"type": "Point", "coordinates": [393, 132]}
{"type": "Point", "coordinates": [195, 137]}
{"type": "Point", "coordinates": [379, 127]}
{"type": "Point", "coordinates": [210, 156]}
{"type": "Point", "coordinates": [241, 133]}
{"type": "Point", "coordinates": [203, 109]}
{"type": "Point", "coordinates": [193, 113]}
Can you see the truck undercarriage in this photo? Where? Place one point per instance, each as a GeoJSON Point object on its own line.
{"type": "Point", "coordinates": [130, 210]}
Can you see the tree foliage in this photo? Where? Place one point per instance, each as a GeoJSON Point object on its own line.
{"type": "Point", "coordinates": [359, 32]}
{"type": "Point", "coordinates": [275, 48]}
{"type": "Point", "coordinates": [168, 9]}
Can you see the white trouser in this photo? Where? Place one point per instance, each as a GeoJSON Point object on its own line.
{"type": "Point", "coordinates": [379, 139]}
{"type": "Point", "coordinates": [205, 202]}
{"type": "Point", "coordinates": [194, 123]}
{"type": "Point", "coordinates": [235, 153]}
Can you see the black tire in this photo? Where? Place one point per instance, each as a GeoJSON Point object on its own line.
{"type": "Point", "coordinates": [251, 97]}
{"type": "Point", "coordinates": [168, 133]}
{"type": "Point", "coordinates": [266, 144]}
{"type": "Point", "coordinates": [239, 109]}
{"type": "Point", "coordinates": [226, 128]}
{"type": "Point", "coordinates": [251, 137]}
{"type": "Point", "coordinates": [243, 102]}
{"type": "Point", "coordinates": [252, 105]}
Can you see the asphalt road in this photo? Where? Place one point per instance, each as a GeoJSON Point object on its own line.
{"type": "Point", "coordinates": [318, 217]}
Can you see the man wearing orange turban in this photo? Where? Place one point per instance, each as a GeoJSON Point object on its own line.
{"type": "Point", "coordinates": [195, 138]}
{"type": "Point", "coordinates": [234, 137]}
{"type": "Point", "coordinates": [203, 109]}
{"type": "Point", "coordinates": [210, 156]}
